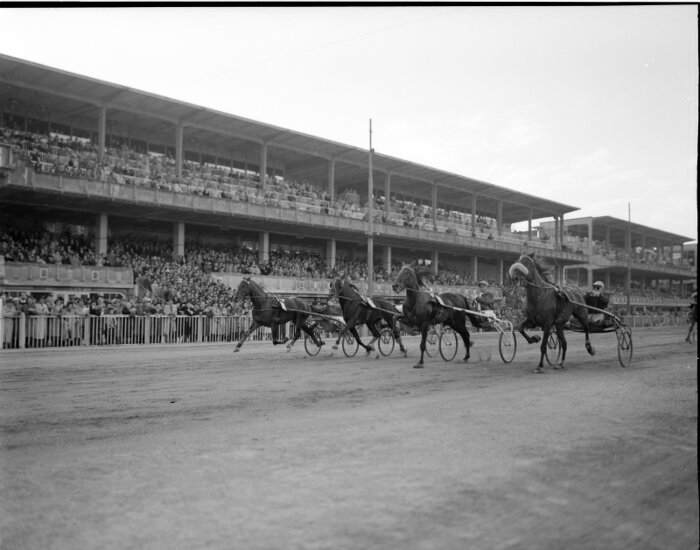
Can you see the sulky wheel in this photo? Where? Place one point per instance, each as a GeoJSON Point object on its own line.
{"type": "Point", "coordinates": [432, 342]}
{"type": "Point", "coordinates": [553, 351]}
{"type": "Point", "coordinates": [624, 345]}
{"type": "Point", "coordinates": [309, 344]}
{"type": "Point", "coordinates": [507, 344]}
{"type": "Point", "coordinates": [448, 344]}
{"type": "Point", "coordinates": [350, 345]}
{"type": "Point", "coordinates": [386, 341]}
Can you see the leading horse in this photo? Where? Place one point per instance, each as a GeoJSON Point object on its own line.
{"type": "Point", "coordinates": [549, 305]}
{"type": "Point", "coordinates": [271, 311]}
{"type": "Point", "coordinates": [359, 309]}
{"type": "Point", "coordinates": [422, 309]}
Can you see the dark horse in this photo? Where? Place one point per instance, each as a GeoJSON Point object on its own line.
{"type": "Point", "coordinates": [358, 309]}
{"type": "Point", "coordinates": [270, 311]}
{"type": "Point", "coordinates": [549, 305]}
{"type": "Point", "coordinates": [421, 309]}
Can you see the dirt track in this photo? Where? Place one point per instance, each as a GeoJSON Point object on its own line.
{"type": "Point", "coordinates": [195, 447]}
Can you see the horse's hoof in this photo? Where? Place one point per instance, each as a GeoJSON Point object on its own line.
{"type": "Point", "coordinates": [471, 343]}
{"type": "Point", "coordinates": [534, 339]}
{"type": "Point", "coordinates": [335, 346]}
{"type": "Point", "coordinates": [558, 367]}
{"type": "Point", "coordinates": [538, 370]}
{"type": "Point", "coordinates": [591, 350]}
{"type": "Point", "coordinates": [322, 344]}
{"type": "Point", "coordinates": [418, 366]}
{"type": "Point", "coordinates": [235, 350]}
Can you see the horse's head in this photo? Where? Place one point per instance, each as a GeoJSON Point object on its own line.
{"type": "Point", "coordinates": [336, 287]}
{"type": "Point", "coordinates": [405, 278]}
{"type": "Point", "coordinates": [243, 291]}
{"type": "Point", "coordinates": [528, 269]}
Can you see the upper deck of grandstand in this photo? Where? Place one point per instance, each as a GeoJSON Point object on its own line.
{"type": "Point", "coordinates": [93, 109]}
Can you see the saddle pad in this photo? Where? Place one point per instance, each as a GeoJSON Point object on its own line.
{"type": "Point", "coordinates": [370, 302]}
{"type": "Point", "coordinates": [439, 301]}
{"type": "Point", "coordinates": [571, 293]}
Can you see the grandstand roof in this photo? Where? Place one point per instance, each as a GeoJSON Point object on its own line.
{"type": "Point", "coordinates": [601, 223]}
{"type": "Point", "coordinates": [42, 91]}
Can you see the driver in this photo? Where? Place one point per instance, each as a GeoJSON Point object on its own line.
{"type": "Point", "coordinates": [597, 299]}
{"type": "Point", "coordinates": [485, 299]}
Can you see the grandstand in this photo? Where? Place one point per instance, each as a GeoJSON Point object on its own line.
{"type": "Point", "coordinates": [88, 167]}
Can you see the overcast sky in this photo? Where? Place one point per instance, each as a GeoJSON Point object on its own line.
{"type": "Point", "coordinates": [592, 106]}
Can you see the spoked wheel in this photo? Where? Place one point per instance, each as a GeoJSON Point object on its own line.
{"type": "Point", "coordinates": [507, 344]}
{"type": "Point", "coordinates": [553, 351]}
{"type": "Point", "coordinates": [448, 344]}
{"type": "Point", "coordinates": [309, 344]}
{"type": "Point", "coordinates": [350, 345]}
{"type": "Point", "coordinates": [624, 345]}
{"type": "Point", "coordinates": [432, 342]}
{"type": "Point", "coordinates": [386, 341]}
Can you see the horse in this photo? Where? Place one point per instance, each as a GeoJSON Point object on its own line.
{"type": "Point", "coordinates": [549, 305]}
{"type": "Point", "coordinates": [270, 311]}
{"type": "Point", "coordinates": [358, 309]}
{"type": "Point", "coordinates": [421, 309]}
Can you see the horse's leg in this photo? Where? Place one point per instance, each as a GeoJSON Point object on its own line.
{"type": "Point", "coordinates": [423, 336]}
{"type": "Point", "coordinates": [582, 315]}
{"type": "Point", "coordinates": [342, 334]}
{"type": "Point", "coordinates": [690, 331]}
{"type": "Point", "coordinates": [543, 348]}
{"type": "Point", "coordinates": [356, 335]}
{"type": "Point", "coordinates": [562, 344]}
{"type": "Point", "coordinates": [245, 335]}
{"type": "Point", "coordinates": [529, 339]}
{"type": "Point", "coordinates": [461, 329]}
{"type": "Point", "coordinates": [297, 334]}
{"type": "Point", "coordinates": [310, 329]}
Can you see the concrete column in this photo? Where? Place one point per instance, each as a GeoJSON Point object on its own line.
{"type": "Point", "coordinates": [589, 277]}
{"type": "Point", "coordinates": [590, 238]}
{"type": "Point", "coordinates": [434, 202]}
{"type": "Point", "coordinates": [263, 247]}
{"type": "Point", "coordinates": [561, 230]}
{"type": "Point", "coordinates": [263, 165]}
{"type": "Point", "coordinates": [500, 272]}
{"type": "Point", "coordinates": [499, 217]}
{"type": "Point", "coordinates": [179, 151]}
{"type": "Point", "coordinates": [101, 133]}
{"type": "Point", "coordinates": [529, 225]}
{"type": "Point", "coordinates": [387, 194]}
{"type": "Point", "coordinates": [331, 180]}
{"type": "Point", "coordinates": [474, 213]}
{"type": "Point", "coordinates": [434, 262]}
{"type": "Point", "coordinates": [178, 240]}
{"type": "Point", "coordinates": [330, 253]}
{"type": "Point", "coordinates": [475, 267]}
{"type": "Point", "coordinates": [101, 230]}
{"type": "Point", "coordinates": [386, 258]}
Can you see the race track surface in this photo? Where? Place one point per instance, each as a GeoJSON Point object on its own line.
{"type": "Point", "coordinates": [189, 447]}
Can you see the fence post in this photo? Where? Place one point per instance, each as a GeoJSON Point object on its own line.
{"type": "Point", "coordinates": [22, 330]}
{"type": "Point", "coordinates": [147, 329]}
{"type": "Point", "coordinates": [200, 327]}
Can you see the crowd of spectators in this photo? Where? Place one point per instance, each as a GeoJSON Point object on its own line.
{"type": "Point", "coordinates": [641, 255]}
{"type": "Point", "coordinates": [57, 154]}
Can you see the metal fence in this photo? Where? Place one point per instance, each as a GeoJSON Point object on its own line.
{"type": "Point", "coordinates": [42, 331]}
{"type": "Point", "coordinates": [47, 331]}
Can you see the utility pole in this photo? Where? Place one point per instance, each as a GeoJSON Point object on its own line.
{"type": "Point", "coordinates": [370, 219]}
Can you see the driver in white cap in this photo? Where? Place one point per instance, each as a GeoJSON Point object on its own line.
{"type": "Point", "coordinates": [597, 299]}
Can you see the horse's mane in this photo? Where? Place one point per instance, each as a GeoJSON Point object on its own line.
{"type": "Point", "coordinates": [422, 271]}
{"type": "Point", "coordinates": [545, 271]}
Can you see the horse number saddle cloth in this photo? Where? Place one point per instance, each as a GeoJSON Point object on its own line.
{"type": "Point", "coordinates": [280, 304]}
{"type": "Point", "coordinates": [368, 301]}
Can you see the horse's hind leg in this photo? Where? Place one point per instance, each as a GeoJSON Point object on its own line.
{"type": "Point", "coordinates": [582, 316]}
{"type": "Point", "coordinates": [466, 338]}
{"type": "Point", "coordinates": [543, 349]}
{"type": "Point", "coordinates": [356, 335]}
{"type": "Point", "coordinates": [562, 344]}
{"type": "Point", "coordinates": [297, 335]}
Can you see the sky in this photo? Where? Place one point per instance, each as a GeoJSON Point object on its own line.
{"type": "Point", "coordinates": [592, 106]}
